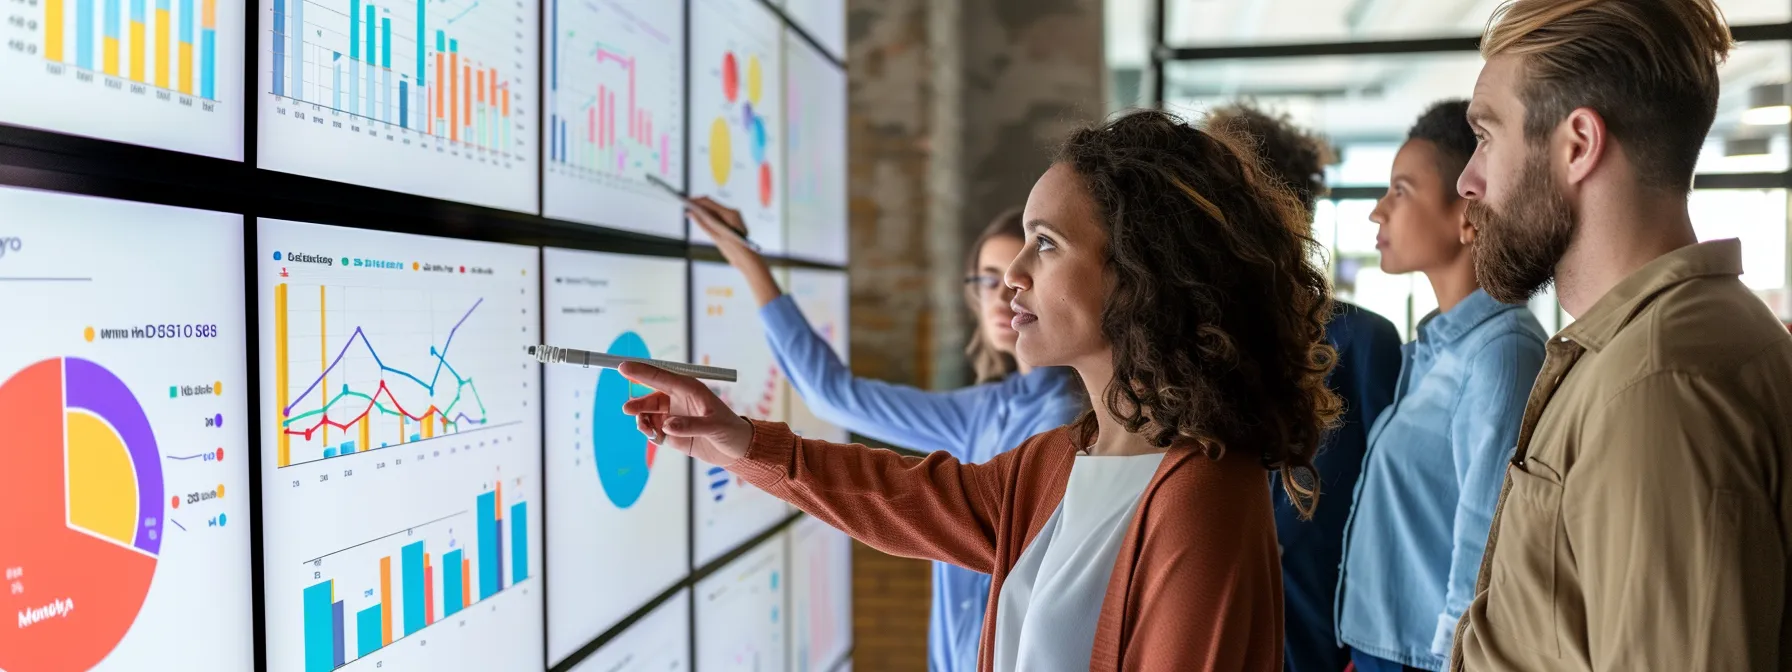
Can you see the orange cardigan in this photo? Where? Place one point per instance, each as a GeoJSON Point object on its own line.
{"type": "Point", "coordinates": [1197, 584]}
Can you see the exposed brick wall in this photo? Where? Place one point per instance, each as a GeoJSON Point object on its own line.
{"type": "Point", "coordinates": [953, 108]}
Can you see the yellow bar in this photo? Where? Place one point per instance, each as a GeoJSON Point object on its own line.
{"type": "Point", "coordinates": [186, 68]}
{"type": "Point", "coordinates": [429, 427]}
{"type": "Point", "coordinates": [109, 57]}
{"type": "Point", "coordinates": [401, 430]}
{"type": "Point", "coordinates": [162, 50]}
{"type": "Point", "coordinates": [138, 41]}
{"type": "Point", "coordinates": [53, 30]}
{"type": "Point", "coordinates": [281, 391]}
{"type": "Point", "coordinates": [323, 363]}
{"type": "Point", "coordinates": [365, 444]}
{"type": "Point", "coordinates": [386, 600]}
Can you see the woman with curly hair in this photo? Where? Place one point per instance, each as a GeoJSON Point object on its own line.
{"type": "Point", "coordinates": [1163, 267]}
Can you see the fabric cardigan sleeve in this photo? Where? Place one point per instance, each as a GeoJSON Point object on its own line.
{"type": "Point", "coordinates": [920, 419]}
{"type": "Point", "coordinates": [935, 508]}
{"type": "Point", "coordinates": [1483, 431]}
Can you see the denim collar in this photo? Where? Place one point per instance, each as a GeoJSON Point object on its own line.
{"type": "Point", "coordinates": [1447, 327]}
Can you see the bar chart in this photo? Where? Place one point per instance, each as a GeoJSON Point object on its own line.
{"type": "Point", "coordinates": [615, 113]}
{"type": "Point", "coordinates": [366, 597]}
{"type": "Point", "coordinates": [172, 67]}
{"type": "Point", "coordinates": [433, 97]}
{"type": "Point", "coordinates": [401, 460]}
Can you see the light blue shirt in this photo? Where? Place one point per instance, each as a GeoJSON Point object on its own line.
{"type": "Point", "coordinates": [1431, 478]}
{"type": "Point", "coordinates": [972, 424]}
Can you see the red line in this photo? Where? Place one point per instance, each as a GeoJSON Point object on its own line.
{"type": "Point", "coordinates": [325, 418]}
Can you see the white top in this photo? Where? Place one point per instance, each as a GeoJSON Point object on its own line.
{"type": "Point", "coordinates": [1045, 617]}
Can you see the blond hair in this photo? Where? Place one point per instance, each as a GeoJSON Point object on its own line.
{"type": "Point", "coordinates": [1648, 67]}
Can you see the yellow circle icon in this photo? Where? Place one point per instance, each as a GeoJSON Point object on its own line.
{"type": "Point", "coordinates": [755, 80]}
{"type": "Point", "coordinates": [218, 388]}
{"type": "Point", "coordinates": [88, 334]}
{"type": "Point", "coordinates": [721, 151]}
{"type": "Point", "coordinates": [220, 491]}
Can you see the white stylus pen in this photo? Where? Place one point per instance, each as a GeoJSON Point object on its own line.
{"type": "Point", "coordinates": [548, 354]}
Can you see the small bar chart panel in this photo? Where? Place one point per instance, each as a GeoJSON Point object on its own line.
{"type": "Point", "coordinates": [160, 73]}
{"type": "Point", "coordinates": [433, 98]}
{"type": "Point", "coordinates": [402, 450]}
{"type": "Point", "coordinates": [615, 113]}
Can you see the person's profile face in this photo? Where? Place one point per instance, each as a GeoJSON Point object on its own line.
{"type": "Point", "coordinates": [1060, 275]}
{"type": "Point", "coordinates": [1420, 218]}
{"type": "Point", "coordinates": [1521, 216]}
{"type": "Point", "coordinates": [993, 313]}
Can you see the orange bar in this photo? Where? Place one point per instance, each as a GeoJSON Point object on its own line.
{"type": "Point", "coordinates": [466, 582]}
{"type": "Point", "coordinates": [506, 100]}
{"type": "Point", "coordinates": [453, 96]}
{"type": "Point", "coordinates": [479, 86]}
{"type": "Point", "coordinates": [466, 113]}
{"type": "Point", "coordinates": [400, 430]}
{"type": "Point", "coordinates": [281, 361]}
{"type": "Point", "coordinates": [386, 601]}
{"type": "Point", "coordinates": [438, 107]}
{"type": "Point", "coordinates": [493, 80]}
{"type": "Point", "coordinates": [429, 427]}
{"type": "Point", "coordinates": [498, 499]}
{"type": "Point", "coordinates": [365, 444]}
{"type": "Point", "coordinates": [429, 592]}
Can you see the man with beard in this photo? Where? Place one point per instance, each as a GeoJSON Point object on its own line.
{"type": "Point", "coordinates": [1643, 523]}
{"type": "Point", "coordinates": [1367, 368]}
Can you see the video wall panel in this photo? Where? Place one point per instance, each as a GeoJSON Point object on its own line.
{"type": "Point", "coordinates": [736, 80]}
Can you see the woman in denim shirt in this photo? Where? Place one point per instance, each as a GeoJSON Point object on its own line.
{"type": "Point", "coordinates": [1009, 404]}
{"type": "Point", "coordinates": [1437, 456]}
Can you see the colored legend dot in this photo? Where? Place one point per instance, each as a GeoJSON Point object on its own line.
{"type": "Point", "coordinates": [218, 388]}
{"type": "Point", "coordinates": [220, 491]}
{"type": "Point", "coordinates": [415, 266]}
{"type": "Point", "coordinates": [218, 420]}
{"type": "Point", "coordinates": [174, 502]}
{"type": "Point", "coordinates": [220, 454]}
{"type": "Point", "coordinates": [222, 519]}
{"type": "Point", "coordinates": [276, 256]}
{"type": "Point", "coordinates": [87, 334]}
{"type": "Point", "coordinates": [173, 391]}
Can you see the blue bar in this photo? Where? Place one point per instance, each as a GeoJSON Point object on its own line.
{"type": "Point", "coordinates": [279, 69]}
{"type": "Point", "coordinates": [298, 49]}
{"type": "Point", "coordinates": [413, 588]}
{"type": "Point", "coordinates": [337, 647]}
{"type": "Point", "coordinates": [404, 101]}
{"type": "Point", "coordinates": [485, 510]}
{"type": "Point", "coordinates": [354, 56]}
{"type": "Point", "coordinates": [328, 452]}
{"type": "Point", "coordinates": [336, 91]}
{"type": "Point", "coordinates": [84, 34]}
{"type": "Point", "coordinates": [140, 15]}
{"type": "Point", "coordinates": [318, 656]}
{"type": "Point", "coordinates": [112, 20]}
{"type": "Point", "coordinates": [416, 437]}
{"type": "Point", "coordinates": [562, 139]}
{"type": "Point", "coordinates": [554, 48]}
{"type": "Point", "coordinates": [498, 528]}
{"type": "Point", "coordinates": [519, 542]}
{"type": "Point", "coordinates": [440, 46]}
{"type": "Point", "coordinates": [186, 21]}
{"type": "Point", "coordinates": [372, 83]}
{"type": "Point", "coordinates": [368, 633]}
{"type": "Point", "coordinates": [208, 58]}
{"type": "Point", "coordinates": [451, 597]}
{"type": "Point", "coordinates": [347, 448]}
{"type": "Point", "coordinates": [386, 66]}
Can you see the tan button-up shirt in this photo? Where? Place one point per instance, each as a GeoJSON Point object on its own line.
{"type": "Point", "coordinates": [1643, 524]}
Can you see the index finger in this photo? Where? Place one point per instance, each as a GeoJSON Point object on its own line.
{"type": "Point", "coordinates": [660, 379]}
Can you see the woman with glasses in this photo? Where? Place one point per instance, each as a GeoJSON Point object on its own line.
{"type": "Point", "coordinates": [1009, 403]}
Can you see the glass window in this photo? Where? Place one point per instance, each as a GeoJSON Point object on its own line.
{"type": "Point", "coordinates": [1746, 139]}
{"type": "Point", "coordinates": [1235, 22]}
{"type": "Point", "coordinates": [1758, 218]}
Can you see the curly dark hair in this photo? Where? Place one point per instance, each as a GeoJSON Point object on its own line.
{"type": "Point", "coordinates": [1216, 316]}
{"type": "Point", "coordinates": [1292, 155]}
{"type": "Point", "coordinates": [1445, 126]}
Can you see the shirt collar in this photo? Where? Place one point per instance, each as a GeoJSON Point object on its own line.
{"type": "Point", "coordinates": [1448, 326]}
{"type": "Point", "coordinates": [1612, 312]}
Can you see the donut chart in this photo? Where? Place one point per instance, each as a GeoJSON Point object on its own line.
{"type": "Point", "coordinates": [623, 456]}
{"type": "Point", "coordinates": [82, 487]}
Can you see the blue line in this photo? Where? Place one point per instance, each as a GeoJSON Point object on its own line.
{"type": "Point", "coordinates": [183, 528]}
{"type": "Point", "coordinates": [463, 13]}
{"type": "Point", "coordinates": [191, 457]}
{"type": "Point", "coordinates": [430, 386]}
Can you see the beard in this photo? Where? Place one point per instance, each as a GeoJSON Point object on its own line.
{"type": "Point", "coordinates": [1518, 244]}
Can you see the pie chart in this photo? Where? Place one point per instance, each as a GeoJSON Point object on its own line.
{"type": "Point", "coordinates": [623, 456]}
{"type": "Point", "coordinates": [81, 485]}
